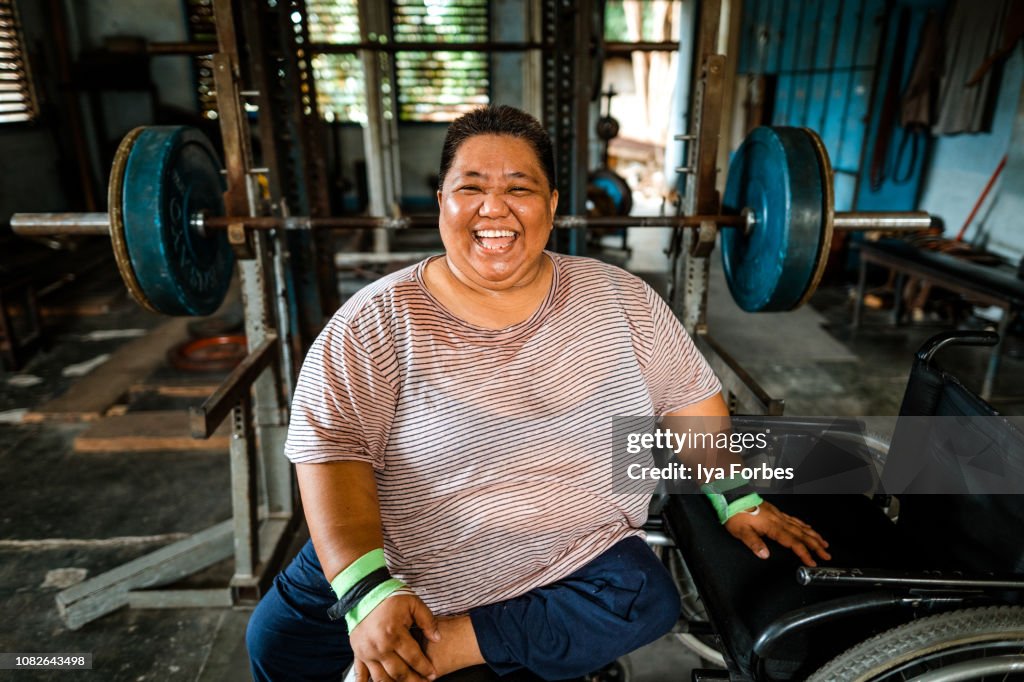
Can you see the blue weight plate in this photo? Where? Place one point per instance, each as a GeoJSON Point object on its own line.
{"type": "Point", "coordinates": [777, 175]}
{"type": "Point", "coordinates": [615, 187]}
{"type": "Point", "coordinates": [171, 173]}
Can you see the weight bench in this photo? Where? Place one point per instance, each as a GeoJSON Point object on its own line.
{"type": "Point", "coordinates": [988, 285]}
{"type": "Point", "coordinates": [944, 552]}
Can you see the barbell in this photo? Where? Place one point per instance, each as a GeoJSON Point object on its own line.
{"type": "Point", "coordinates": [168, 229]}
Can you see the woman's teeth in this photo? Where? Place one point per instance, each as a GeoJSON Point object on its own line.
{"type": "Point", "coordinates": [495, 239]}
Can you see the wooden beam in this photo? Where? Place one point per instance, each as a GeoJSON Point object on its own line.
{"type": "Point", "coordinates": [90, 397]}
{"type": "Point", "coordinates": [109, 591]}
{"type": "Point", "coordinates": [148, 432]}
{"type": "Point", "coordinates": [180, 599]}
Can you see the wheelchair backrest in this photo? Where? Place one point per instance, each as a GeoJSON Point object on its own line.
{"type": "Point", "coordinates": [969, 530]}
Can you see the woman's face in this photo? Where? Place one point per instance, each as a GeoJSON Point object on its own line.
{"type": "Point", "coordinates": [496, 212]}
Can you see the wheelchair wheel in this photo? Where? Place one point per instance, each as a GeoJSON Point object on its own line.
{"type": "Point", "coordinates": [970, 644]}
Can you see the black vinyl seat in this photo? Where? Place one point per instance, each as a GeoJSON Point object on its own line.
{"type": "Point", "coordinates": [744, 595]}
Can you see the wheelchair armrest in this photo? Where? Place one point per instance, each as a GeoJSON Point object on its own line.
{"type": "Point", "coordinates": [943, 580]}
{"type": "Point", "coordinates": [821, 613]}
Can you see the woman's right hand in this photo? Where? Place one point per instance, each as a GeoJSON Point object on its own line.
{"type": "Point", "coordinates": [384, 648]}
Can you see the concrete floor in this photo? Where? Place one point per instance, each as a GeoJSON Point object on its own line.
{"type": "Point", "coordinates": [66, 516]}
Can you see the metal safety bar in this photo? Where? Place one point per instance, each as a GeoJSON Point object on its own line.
{"type": "Point", "coordinates": [205, 419]}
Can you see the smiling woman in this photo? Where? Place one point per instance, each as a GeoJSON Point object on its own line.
{"type": "Point", "coordinates": [452, 435]}
{"type": "Point", "coordinates": [497, 210]}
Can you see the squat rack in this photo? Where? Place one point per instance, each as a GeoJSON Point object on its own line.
{"type": "Point", "coordinates": [265, 506]}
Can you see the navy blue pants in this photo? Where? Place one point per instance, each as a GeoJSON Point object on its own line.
{"type": "Point", "coordinates": [618, 602]}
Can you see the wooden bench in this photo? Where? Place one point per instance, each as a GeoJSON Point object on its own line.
{"type": "Point", "coordinates": [986, 285]}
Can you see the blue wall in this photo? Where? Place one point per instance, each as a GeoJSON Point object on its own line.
{"type": "Point", "coordinates": [961, 165]}
{"type": "Point", "coordinates": [823, 56]}
{"type": "Point", "coordinates": [831, 72]}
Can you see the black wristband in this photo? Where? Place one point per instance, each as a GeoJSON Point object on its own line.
{"type": "Point", "coordinates": [738, 492]}
{"type": "Point", "coordinates": [358, 591]}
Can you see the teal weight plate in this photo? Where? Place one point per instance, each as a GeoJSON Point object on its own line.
{"type": "Point", "coordinates": [777, 175]}
{"type": "Point", "coordinates": [171, 173]}
{"type": "Point", "coordinates": [614, 187]}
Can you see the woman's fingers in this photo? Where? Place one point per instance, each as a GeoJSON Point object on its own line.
{"type": "Point", "coordinates": [382, 640]}
{"type": "Point", "coordinates": [412, 656]}
{"type": "Point", "coordinates": [788, 531]}
{"type": "Point", "coordinates": [800, 540]}
{"type": "Point", "coordinates": [360, 672]}
{"type": "Point", "coordinates": [749, 537]}
{"type": "Point", "coordinates": [426, 621]}
{"type": "Point", "coordinates": [377, 672]}
{"type": "Point", "coordinates": [806, 528]}
{"type": "Point", "coordinates": [794, 519]}
{"type": "Point", "coordinates": [790, 540]}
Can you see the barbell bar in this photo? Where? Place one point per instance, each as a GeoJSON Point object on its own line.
{"type": "Point", "coordinates": [168, 230]}
{"type": "Point", "coordinates": [98, 223]}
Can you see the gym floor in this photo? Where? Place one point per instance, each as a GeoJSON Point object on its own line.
{"type": "Point", "coordinates": [71, 514]}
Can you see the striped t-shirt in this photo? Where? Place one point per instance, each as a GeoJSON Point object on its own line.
{"type": "Point", "coordinates": [492, 448]}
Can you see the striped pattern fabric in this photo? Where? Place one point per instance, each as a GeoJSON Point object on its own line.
{"type": "Point", "coordinates": [492, 448]}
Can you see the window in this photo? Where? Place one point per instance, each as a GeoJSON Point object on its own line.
{"type": "Point", "coordinates": [640, 68]}
{"type": "Point", "coordinates": [432, 86]}
{"type": "Point", "coordinates": [440, 85]}
{"type": "Point", "coordinates": [339, 77]}
{"type": "Point", "coordinates": [17, 101]}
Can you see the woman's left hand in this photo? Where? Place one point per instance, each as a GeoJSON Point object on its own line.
{"type": "Point", "coordinates": [788, 531]}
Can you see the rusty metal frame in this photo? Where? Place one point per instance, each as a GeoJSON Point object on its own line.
{"type": "Point", "coordinates": [690, 250]}
{"type": "Point", "coordinates": [264, 501]}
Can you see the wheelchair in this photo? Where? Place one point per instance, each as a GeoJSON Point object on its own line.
{"type": "Point", "coordinates": [936, 593]}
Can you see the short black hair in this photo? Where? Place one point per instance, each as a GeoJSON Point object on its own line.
{"type": "Point", "coordinates": [498, 120]}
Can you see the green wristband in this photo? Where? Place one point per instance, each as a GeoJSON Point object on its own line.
{"type": "Point", "coordinates": [742, 504]}
{"type": "Point", "coordinates": [726, 509]}
{"type": "Point", "coordinates": [357, 570]}
{"type": "Point", "coordinates": [371, 601]}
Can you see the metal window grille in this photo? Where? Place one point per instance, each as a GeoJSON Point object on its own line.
{"type": "Point", "coordinates": [339, 77]}
{"type": "Point", "coordinates": [17, 99]}
{"type": "Point", "coordinates": [432, 86]}
{"type": "Point", "coordinates": [440, 85]}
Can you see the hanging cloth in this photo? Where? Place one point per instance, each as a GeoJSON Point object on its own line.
{"type": "Point", "coordinates": [1013, 31]}
{"type": "Point", "coordinates": [917, 108]}
{"type": "Point", "coordinates": [974, 31]}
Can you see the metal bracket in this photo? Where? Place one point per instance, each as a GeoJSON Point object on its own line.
{"type": "Point", "coordinates": [240, 241]}
{"type": "Point", "coordinates": [257, 544]}
{"type": "Point", "coordinates": [704, 242]}
{"type": "Point", "coordinates": [743, 392]}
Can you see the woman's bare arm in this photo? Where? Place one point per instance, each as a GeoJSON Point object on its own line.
{"type": "Point", "coordinates": [343, 514]}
